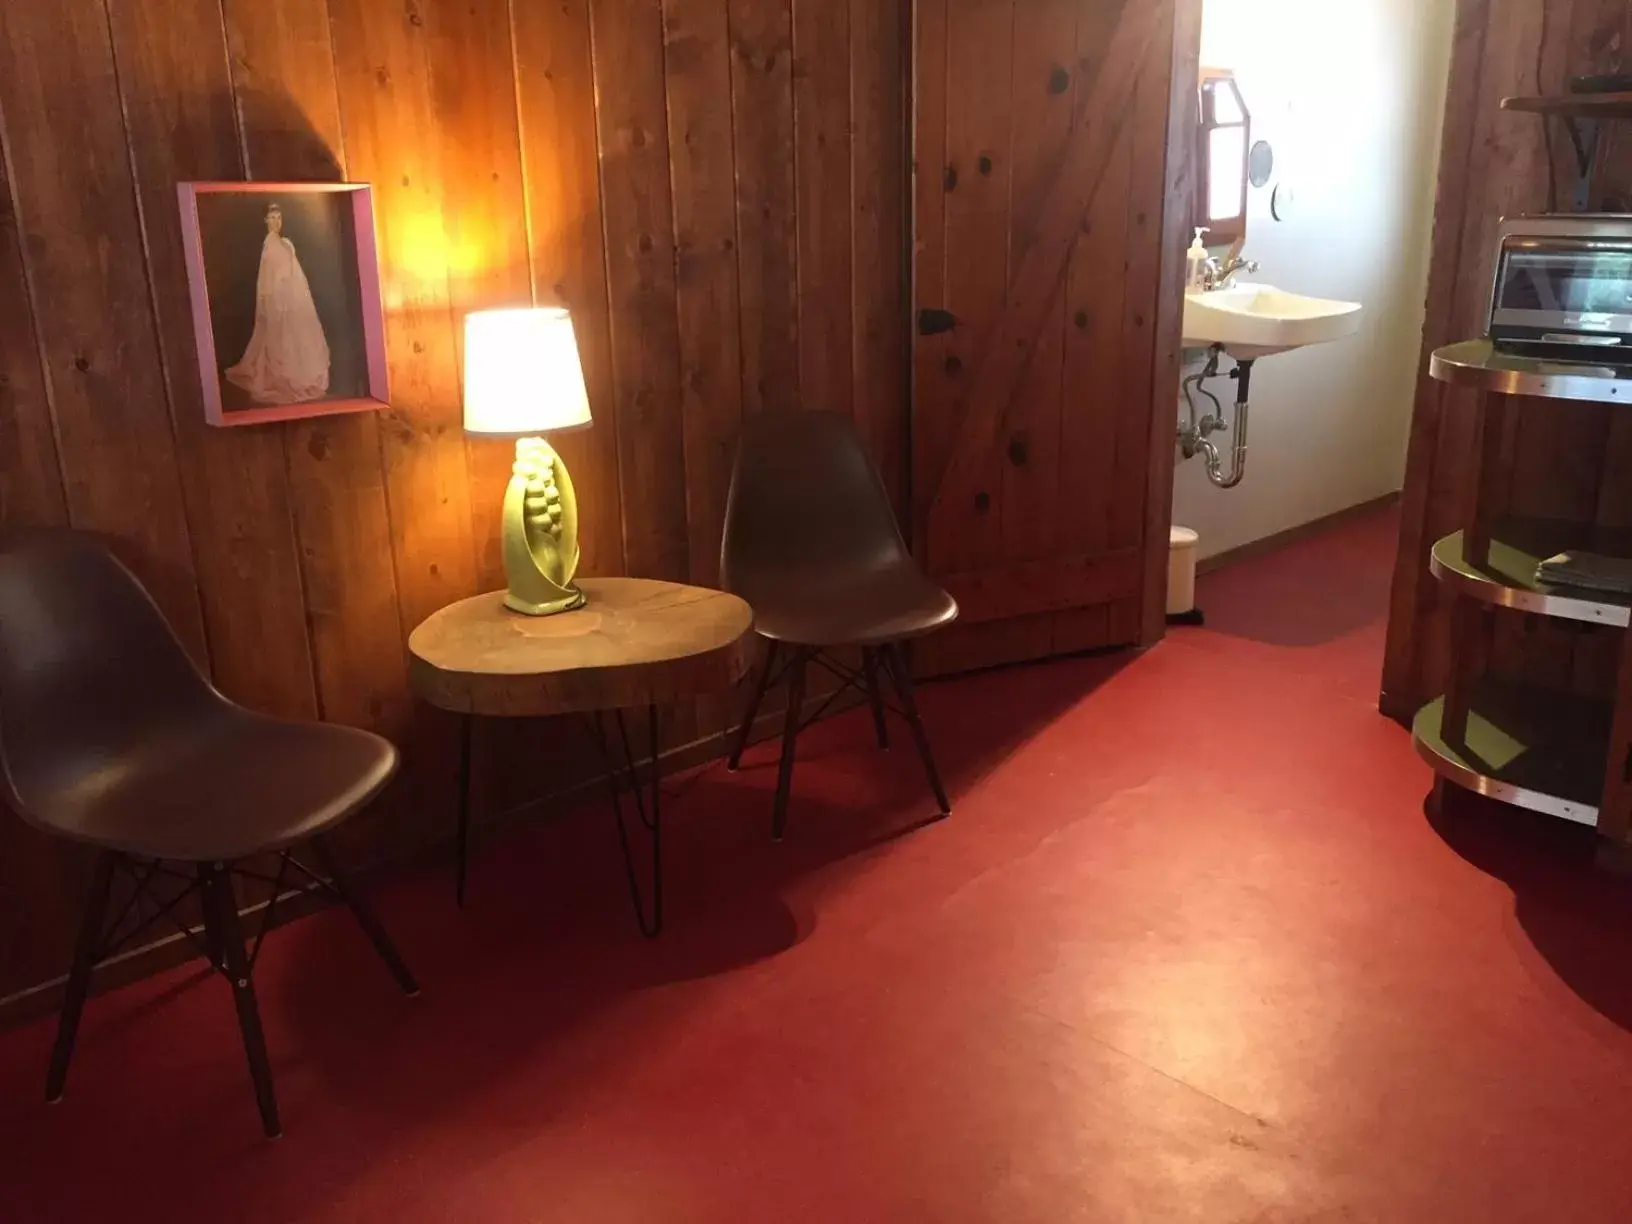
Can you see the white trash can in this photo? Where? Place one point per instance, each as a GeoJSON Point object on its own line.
{"type": "Point", "coordinates": [1181, 571]}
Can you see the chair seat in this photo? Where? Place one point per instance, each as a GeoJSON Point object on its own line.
{"type": "Point", "coordinates": [238, 785]}
{"type": "Point", "coordinates": [846, 608]}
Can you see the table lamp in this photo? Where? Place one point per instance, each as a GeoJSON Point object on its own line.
{"type": "Point", "coordinates": [523, 379]}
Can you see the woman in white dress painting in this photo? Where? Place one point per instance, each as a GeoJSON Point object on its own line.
{"type": "Point", "coordinates": [287, 360]}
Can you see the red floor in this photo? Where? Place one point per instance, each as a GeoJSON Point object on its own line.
{"type": "Point", "coordinates": [1189, 950]}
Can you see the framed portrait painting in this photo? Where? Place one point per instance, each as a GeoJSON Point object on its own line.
{"type": "Point", "coordinates": [285, 286]}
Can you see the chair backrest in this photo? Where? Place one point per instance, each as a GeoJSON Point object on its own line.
{"type": "Point", "coordinates": [90, 672]}
{"type": "Point", "coordinates": [805, 496]}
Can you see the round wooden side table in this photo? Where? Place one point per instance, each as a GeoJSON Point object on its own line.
{"type": "Point", "coordinates": [635, 644]}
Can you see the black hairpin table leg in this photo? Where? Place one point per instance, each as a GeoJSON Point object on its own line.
{"type": "Point", "coordinates": [465, 733]}
{"type": "Point", "coordinates": [648, 799]}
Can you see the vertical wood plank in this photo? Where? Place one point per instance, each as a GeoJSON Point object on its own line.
{"type": "Point", "coordinates": [384, 84]}
{"type": "Point", "coordinates": [388, 109]}
{"type": "Point", "coordinates": [698, 57]}
{"type": "Point", "coordinates": [484, 220]}
{"type": "Point", "coordinates": [555, 95]}
{"type": "Point", "coordinates": [1178, 121]}
{"type": "Point", "coordinates": [930, 440]}
{"type": "Point", "coordinates": [880, 112]}
{"type": "Point", "coordinates": [30, 469]}
{"type": "Point", "coordinates": [177, 97]}
{"type": "Point", "coordinates": [289, 108]}
{"type": "Point", "coordinates": [1142, 276]}
{"type": "Point", "coordinates": [1093, 370]}
{"type": "Point", "coordinates": [1044, 113]}
{"type": "Point", "coordinates": [633, 124]}
{"type": "Point", "coordinates": [477, 140]}
{"type": "Point", "coordinates": [763, 129]}
{"type": "Point", "coordinates": [1032, 503]}
{"type": "Point", "coordinates": [284, 88]}
{"type": "Point", "coordinates": [821, 99]}
{"type": "Point", "coordinates": [74, 195]}
{"type": "Point", "coordinates": [966, 533]}
{"type": "Point", "coordinates": [41, 879]}
{"type": "Point", "coordinates": [632, 120]}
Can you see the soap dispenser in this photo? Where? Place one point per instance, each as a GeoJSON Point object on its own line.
{"type": "Point", "coordinates": [1195, 264]}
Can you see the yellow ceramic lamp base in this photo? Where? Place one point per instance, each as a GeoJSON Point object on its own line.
{"type": "Point", "coordinates": [540, 533]}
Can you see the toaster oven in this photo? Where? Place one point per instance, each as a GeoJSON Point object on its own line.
{"type": "Point", "coordinates": [1563, 288]}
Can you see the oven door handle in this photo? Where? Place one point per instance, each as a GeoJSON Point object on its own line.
{"type": "Point", "coordinates": [1565, 245]}
{"type": "Point", "coordinates": [1585, 341]}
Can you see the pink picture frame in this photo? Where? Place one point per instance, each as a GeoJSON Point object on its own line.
{"type": "Point", "coordinates": [284, 281]}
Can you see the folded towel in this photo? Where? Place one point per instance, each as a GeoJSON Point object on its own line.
{"type": "Point", "coordinates": [1589, 571]}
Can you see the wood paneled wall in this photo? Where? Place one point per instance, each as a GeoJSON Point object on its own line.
{"type": "Point", "coordinates": [716, 188]}
{"type": "Point", "coordinates": [1567, 460]}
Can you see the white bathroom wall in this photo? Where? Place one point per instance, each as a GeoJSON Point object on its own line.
{"type": "Point", "coordinates": [1351, 93]}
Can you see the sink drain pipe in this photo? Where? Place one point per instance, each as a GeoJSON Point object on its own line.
{"type": "Point", "coordinates": [1195, 435]}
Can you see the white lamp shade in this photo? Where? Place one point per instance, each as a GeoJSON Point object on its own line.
{"type": "Point", "coordinates": [522, 373]}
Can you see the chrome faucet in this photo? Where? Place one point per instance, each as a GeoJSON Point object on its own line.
{"type": "Point", "coordinates": [1222, 275]}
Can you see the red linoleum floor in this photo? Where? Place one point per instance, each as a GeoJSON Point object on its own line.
{"type": "Point", "coordinates": [1190, 949]}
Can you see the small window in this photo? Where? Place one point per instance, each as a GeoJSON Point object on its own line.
{"type": "Point", "coordinates": [1226, 138]}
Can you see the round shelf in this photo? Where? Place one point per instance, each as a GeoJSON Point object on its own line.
{"type": "Point", "coordinates": [1478, 365]}
{"type": "Point", "coordinates": [1531, 747]}
{"type": "Point", "coordinates": [1616, 105]}
{"type": "Point", "coordinates": [1508, 578]}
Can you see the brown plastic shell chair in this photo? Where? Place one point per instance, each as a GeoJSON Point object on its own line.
{"type": "Point", "coordinates": [111, 737]}
{"type": "Point", "coordinates": [811, 543]}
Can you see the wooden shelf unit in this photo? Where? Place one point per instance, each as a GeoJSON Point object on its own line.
{"type": "Point", "coordinates": [1539, 748]}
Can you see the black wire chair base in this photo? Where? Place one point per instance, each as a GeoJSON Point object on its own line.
{"type": "Point", "coordinates": [220, 940]}
{"type": "Point", "coordinates": [647, 803]}
{"type": "Point", "coordinates": [889, 658]}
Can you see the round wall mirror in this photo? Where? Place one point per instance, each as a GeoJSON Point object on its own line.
{"type": "Point", "coordinates": [1261, 164]}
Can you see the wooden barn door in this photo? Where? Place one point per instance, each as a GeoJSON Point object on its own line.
{"type": "Point", "coordinates": [1050, 233]}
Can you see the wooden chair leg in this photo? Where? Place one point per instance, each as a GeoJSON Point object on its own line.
{"type": "Point", "coordinates": [79, 974]}
{"type": "Point", "coordinates": [869, 669]}
{"type": "Point", "coordinates": [901, 674]}
{"type": "Point", "coordinates": [790, 740]}
{"type": "Point", "coordinates": [221, 913]}
{"type": "Point", "coordinates": [366, 918]}
{"type": "Point", "coordinates": [740, 742]}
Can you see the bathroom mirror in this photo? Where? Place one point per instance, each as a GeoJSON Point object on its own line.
{"type": "Point", "coordinates": [1226, 138]}
{"type": "Point", "coordinates": [1261, 164]}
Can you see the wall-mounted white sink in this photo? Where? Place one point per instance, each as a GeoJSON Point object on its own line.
{"type": "Point", "coordinates": [1259, 320]}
